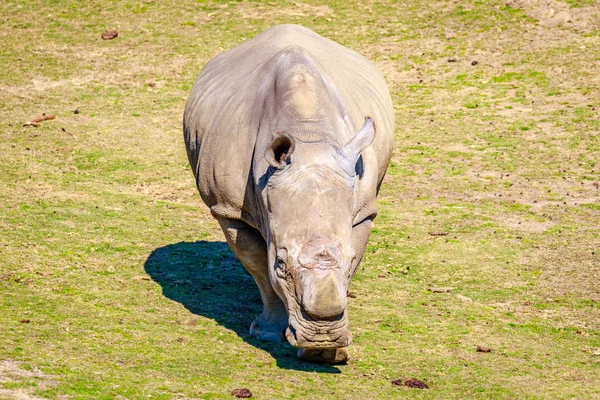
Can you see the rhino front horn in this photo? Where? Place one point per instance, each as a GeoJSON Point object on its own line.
{"type": "Point", "coordinates": [322, 299]}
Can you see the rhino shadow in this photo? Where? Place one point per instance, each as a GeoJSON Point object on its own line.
{"type": "Point", "coordinates": [207, 279]}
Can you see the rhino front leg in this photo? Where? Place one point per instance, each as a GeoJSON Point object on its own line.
{"type": "Point", "coordinates": [250, 248]}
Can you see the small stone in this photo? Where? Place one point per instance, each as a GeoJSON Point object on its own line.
{"type": "Point", "coordinates": [76, 111]}
{"type": "Point", "coordinates": [151, 84]}
{"type": "Point", "coordinates": [109, 35]}
{"type": "Point", "coordinates": [416, 384]}
{"type": "Point", "coordinates": [242, 393]}
{"type": "Point", "coordinates": [452, 59]}
{"type": "Point", "coordinates": [440, 289]}
{"type": "Point", "coordinates": [474, 62]}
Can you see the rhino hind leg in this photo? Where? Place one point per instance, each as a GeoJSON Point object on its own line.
{"type": "Point", "coordinates": [250, 248]}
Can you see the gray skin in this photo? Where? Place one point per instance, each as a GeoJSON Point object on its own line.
{"type": "Point", "coordinates": [289, 136]}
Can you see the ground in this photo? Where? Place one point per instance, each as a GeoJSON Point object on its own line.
{"type": "Point", "coordinates": [115, 281]}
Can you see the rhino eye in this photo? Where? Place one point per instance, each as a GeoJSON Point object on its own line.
{"type": "Point", "coordinates": [281, 268]}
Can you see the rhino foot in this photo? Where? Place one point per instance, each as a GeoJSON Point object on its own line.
{"type": "Point", "coordinates": [325, 356]}
{"type": "Point", "coordinates": [269, 328]}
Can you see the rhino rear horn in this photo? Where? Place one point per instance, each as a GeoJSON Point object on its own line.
{"type": "Point", "coordinates": [280, 149]}
{"type": "Point", "coordinates": [354, 148]}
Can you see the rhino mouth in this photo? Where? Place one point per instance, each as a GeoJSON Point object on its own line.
{"type": "Point", "coordinates": [308, 333]}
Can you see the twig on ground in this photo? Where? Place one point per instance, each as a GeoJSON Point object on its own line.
{"type": "Point", "coordinates": [36, 121]}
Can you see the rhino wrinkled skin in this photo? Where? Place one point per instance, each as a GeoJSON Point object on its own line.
{"type": "Point", "coordinates": [289, 136]}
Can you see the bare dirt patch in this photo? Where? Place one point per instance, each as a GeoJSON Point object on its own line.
{"type": "Point", "coordinates": [18, 394]}
{"type": "Point", "coordinates": [553, 13]}
{"type": "Point", "coordinates": [260, 11]}
{"type": "Point", "coordinates": [29, 191]}
{"type": "Point", "coordinates": [10, 371]}
{"type": "Point", "coordinates": [519, 223]}
{"type": "Point", "coordinates": [575, 272]}
{"type": "Point", "coordinates": [179, 192]}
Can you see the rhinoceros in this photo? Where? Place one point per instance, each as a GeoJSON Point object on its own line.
{"type": "Point", "coordinates": [289, 136]}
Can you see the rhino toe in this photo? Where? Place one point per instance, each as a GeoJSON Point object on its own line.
{"type": "Point", "coordinates": [268, 330]}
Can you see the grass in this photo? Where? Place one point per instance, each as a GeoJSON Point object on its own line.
{"type": "Point", "coordinates": [115, 281]}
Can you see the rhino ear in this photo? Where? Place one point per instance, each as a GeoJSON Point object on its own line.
{"type": "Point", "coordinates": [354, 148]}
{"type": "Point", "coordinates": [280, 149]}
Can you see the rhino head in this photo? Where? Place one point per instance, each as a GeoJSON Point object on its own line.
{"type": "Point", "coordinates": [308, 201]}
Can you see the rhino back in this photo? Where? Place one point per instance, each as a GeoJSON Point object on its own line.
{"type": "Point", "coordinates": [223, 113]}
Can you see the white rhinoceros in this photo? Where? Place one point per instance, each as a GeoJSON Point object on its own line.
{"type": "Point", "coordinates": [289, 136]}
